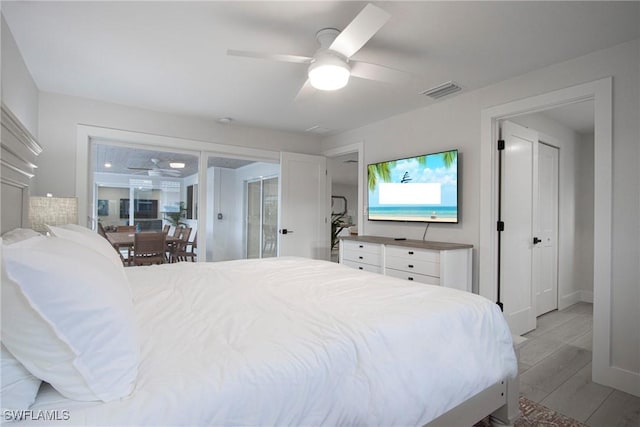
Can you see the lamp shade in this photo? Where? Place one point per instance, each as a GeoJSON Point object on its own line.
{"type": "Point", "coordinates": [329, 72]}
{"type": "Point", "coordinates": [45, 211]}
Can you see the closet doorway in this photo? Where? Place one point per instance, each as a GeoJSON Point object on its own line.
{"type": "Point", "coordinates": [593, 230]}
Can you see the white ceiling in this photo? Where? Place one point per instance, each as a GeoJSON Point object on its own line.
{"type": "Point", "coordinates": [171, 56]}
{"type": "Point", "coordinates": [579, 117]}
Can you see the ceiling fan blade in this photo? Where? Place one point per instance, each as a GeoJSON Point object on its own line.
{"type": "Point", "coordinates": [305, 91]}
{"type": "Point", "coordinates": [139, 169]}
{"type": "Point", "coordinates": [366, 70]}
{"type": "Point", "coordinates": [170, 172]}
{"type": "Point", "coordinates": [360, 30]}
{"type": "Point", "coordinates": [271, 56]}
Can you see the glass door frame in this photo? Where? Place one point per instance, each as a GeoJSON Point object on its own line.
{"type": "Point", "coordinates": [95, 184]}
{"type": "Point", "coordinates": [261, 180]}
{"type": "Point", "coordinates": [88, 135]}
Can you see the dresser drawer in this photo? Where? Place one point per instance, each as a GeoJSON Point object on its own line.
{"type": "Point", "coordinates": [419, 254]}
{"type": "Point", "coordinates": [360, 247]}
{"type": "Point", "coordinates": [421, 278]}
{"type": "Point", "coordinates": [361, 252]}
{"type": "Point", "coordinates": [362, 257]}
{"type": "Point", "coordinates": [363, 267]}
{"type": "Point", "coordinates": [410, 265]}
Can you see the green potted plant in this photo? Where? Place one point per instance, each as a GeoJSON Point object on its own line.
{"type": "Point", "coordinates": [337, 225]}
{"type": "Point", "coordinates": [175, 217]}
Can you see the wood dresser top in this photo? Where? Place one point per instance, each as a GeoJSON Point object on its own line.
{"type": "Point", "coordinates": [439, 246]}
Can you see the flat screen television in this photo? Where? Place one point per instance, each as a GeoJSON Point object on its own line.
{"type": "Point", "coordinates": [420, 189]}
{"type": "Point", "coordinates": [142, 208]}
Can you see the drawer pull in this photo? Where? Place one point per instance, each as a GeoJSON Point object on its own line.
{"type": "Point", "coordinates": [360, 246]}
{"type": "Point", "coordinates": [410, 252]}
{"type": "Point", "coordinates": [409, 278]}
{"type": "Point", "coordinates": [360, 257]}
{"type": "Point", "coordinates": [410, 266]}
{"type": "Point", "coordinates": [360, 268]}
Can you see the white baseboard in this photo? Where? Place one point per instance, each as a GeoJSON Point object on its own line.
{"type": "Point", "coordinates": [586, 296]}
{"type": "Point", "coordinates": [617, 378]}
{"type": "Point", "coordinates": [565, 301]}
{"type": "Point", "coordinates": [574, 297]}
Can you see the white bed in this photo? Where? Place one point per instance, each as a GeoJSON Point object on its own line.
{"type": "Point", "coordinates": [285, 341]}
{"type": "Point", "coordinates": [292, 341]}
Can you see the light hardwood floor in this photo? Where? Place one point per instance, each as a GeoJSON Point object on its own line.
{"type": "Point", "coordinates": [555, 371]}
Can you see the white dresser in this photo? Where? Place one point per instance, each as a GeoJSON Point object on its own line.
{"type": "Point", "coordinates": [434, 263]}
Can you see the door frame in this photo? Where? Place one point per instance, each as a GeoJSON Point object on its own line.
{"type": "Point", "coordinates": [86, 135]}
{"type": "Point", "coordinates": [357, 147]}
{"type": "Point", "coordinates": [600, 92]}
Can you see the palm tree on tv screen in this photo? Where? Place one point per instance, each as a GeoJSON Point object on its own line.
{"type": "Point", "coordinates": [382, 171]}
{"type": "Point", "coordinates": [379, 171]}
{"type": "Point", "coordinates": [449, 157]}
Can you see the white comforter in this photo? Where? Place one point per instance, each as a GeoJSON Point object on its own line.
{"type": "Point", "coordinates": [292, 341]}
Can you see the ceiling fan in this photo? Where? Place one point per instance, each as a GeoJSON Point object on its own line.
{"type": "Point", "coordinates": [156, 170]}
{"type": "Point", "coordinates": [331, 65]}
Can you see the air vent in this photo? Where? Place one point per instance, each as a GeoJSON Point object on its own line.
{"type": "Point", "coordinates": [442, 90]}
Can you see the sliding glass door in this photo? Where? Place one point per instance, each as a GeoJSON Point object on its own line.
{"type": "Point", "coordinates": [262, 217]}
{"type": "Point", "coordinates": [242, 201]}
{"type": "Point", "coordinates": [151, 187]}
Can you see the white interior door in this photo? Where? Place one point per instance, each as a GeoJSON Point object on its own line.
{"type": "Point", "coordinates": [519, 186]}
{"type": "Point", "coordinates": [545, 252]}
{"type": "Point", "coordinates": [303, 228]}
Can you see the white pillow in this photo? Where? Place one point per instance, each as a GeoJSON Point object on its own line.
{"type": "Point", "coordinates": [67, 316]}
{"type": "Point", "coordinates": [18, 235]}
{"type": "Point", "coordinates": [87, 238]}
{"type": "Point", "coordinates": [19, 386]}
{"type": "Point", "coordinates": [76, 227]}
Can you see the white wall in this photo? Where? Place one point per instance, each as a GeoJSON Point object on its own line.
{"type": "Point", "coordinates": [19, 91]}
{"type": "Point", "coordinates": [455, 122]}
{"type": "Point", "coordinates": [222, 196]}
{"type": "Point", "coordinates": [59, 116]}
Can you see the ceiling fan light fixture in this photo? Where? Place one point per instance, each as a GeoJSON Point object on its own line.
{"type": "Point", "coordinates": [177, 165]}
{"type": "Point", "coordinates": [329, 72]}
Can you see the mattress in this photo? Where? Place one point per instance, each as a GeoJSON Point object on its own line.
{"type": "Point", "coordinates": [292, 341]}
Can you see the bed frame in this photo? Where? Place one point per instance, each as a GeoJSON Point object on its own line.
{"type": "Point", "coordinates": [17, 167]}
{"type": "Point", "coordinates": [500, 401]}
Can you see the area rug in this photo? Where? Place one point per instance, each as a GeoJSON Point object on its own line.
{"type": "Point", "coordinates": [536, 415]}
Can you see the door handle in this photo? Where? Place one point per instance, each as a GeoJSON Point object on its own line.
{"type": "Point", "coordinates": [285, 231]}
{"type": "Point", "coordinates": [536, 240]}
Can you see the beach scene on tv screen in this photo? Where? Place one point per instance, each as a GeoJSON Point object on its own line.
{"type": "Point", "coordinates": [422, 188]}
